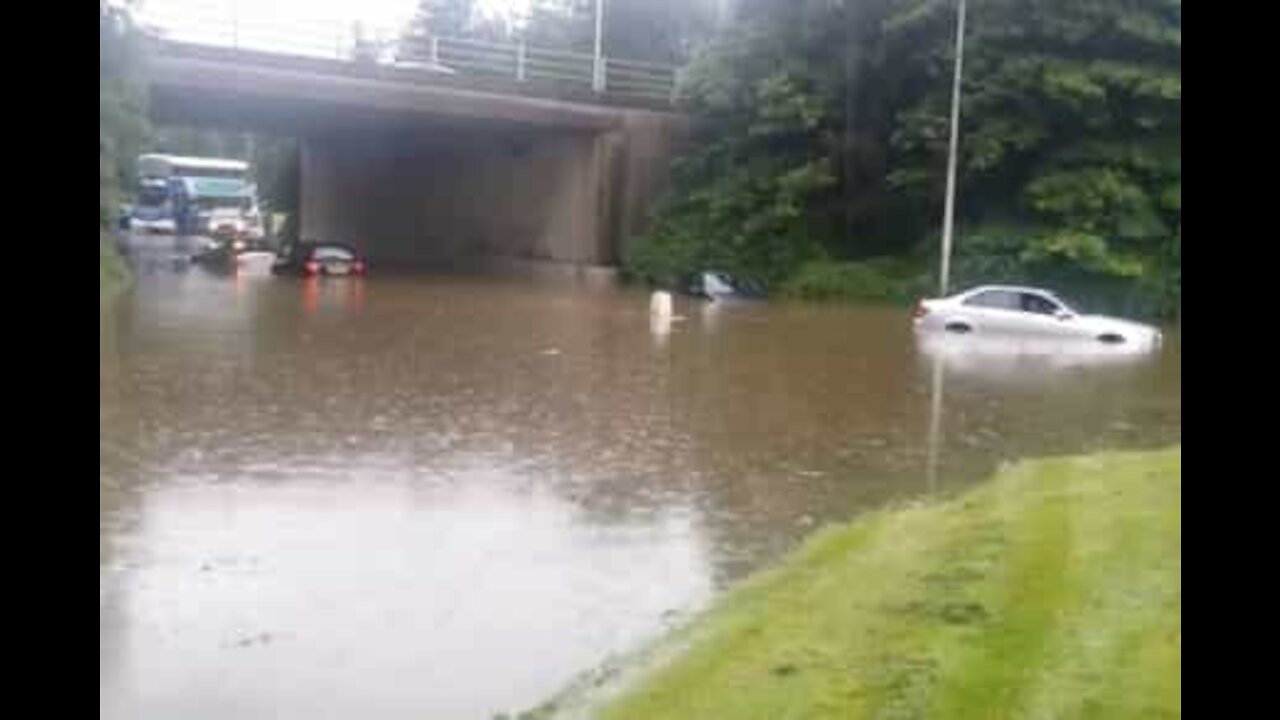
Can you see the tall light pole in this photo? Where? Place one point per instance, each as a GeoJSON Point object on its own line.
{"type": "Point", "coordinates": [948, 217]}
{"type": "Point", "coordinates": [597, 78]}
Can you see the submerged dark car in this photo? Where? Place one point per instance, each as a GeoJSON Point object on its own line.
{"type": "Point", "coordinates": [722, 286]}
{"type": "Point", "coordinates": [222, 250]}
{"type": "Point", "coordinates": [311, 258]}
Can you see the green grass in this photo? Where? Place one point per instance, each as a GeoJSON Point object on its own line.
{"type": "Point", "coordinates": [113, 276]}
{"type": "Point", "coordinates": [1053, 591]}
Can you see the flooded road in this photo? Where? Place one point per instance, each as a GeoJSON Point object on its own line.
{"type": "Point", "coordinates": [443, 498]}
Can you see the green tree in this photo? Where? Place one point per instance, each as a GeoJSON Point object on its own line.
{"type": "Point", "coordinates": [453, 18]}
{"type": "Point", "coordinates": [756, 197]}
{"type": "Point", "coordinates": [822, 135]}
{"type": "Point", "coordinates": [653, 30]}
{"type": "Point", "coordinates": [122, 123]}
{"type": "Point", "coordinates": [1071, 163]}
{"type": "Point", "coordinates": [563, 24]}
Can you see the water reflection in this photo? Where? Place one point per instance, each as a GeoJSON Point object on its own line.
{"type": "Point", "coordinates": [336, 296]}
{"type": "Point", "coordinates": [937, 378]}
{"type": "Point", "coordinates": [258, 589]}
{"type": "Point", "coordinates": [1010, 361]}
{"type": "Point", "coordinates": [659, 328]}
{"type": "Point", "coordinates": [1003, 358]}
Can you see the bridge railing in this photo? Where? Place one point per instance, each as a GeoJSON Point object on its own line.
{"type": "Point", "coordinates": [221, 26]}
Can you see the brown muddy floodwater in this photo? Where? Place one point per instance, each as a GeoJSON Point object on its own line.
{"type": "Point", "coordinates": [443, 498]}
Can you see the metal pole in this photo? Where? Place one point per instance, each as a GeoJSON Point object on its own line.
{"type": "Point", "coordinates": [597, 79]}
{"type": "Point", "coordinates": [948, 217]}
{"type": "Point", "coordinates": [850, 69]}
{"type": "Point", "coordinates": [520, 60]}
{"type": "Point", "coordinates": [235, 25]}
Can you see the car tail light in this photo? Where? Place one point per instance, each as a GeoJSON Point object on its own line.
{"type": "Point", "coordinates": [921, 310]}
{"type": "Point", "coordinates": [358, 267]}
{"type": "Point", "coordinates": [312, 267]}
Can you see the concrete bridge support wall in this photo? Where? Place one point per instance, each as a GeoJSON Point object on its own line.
{"type": "Point", "coordinates": [454, 198]}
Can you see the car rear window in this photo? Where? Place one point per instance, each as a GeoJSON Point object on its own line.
{"type": "Point", "coordinates": [332, 253]}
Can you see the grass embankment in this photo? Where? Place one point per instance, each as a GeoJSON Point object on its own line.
{"type": "Point", "coordinates": [113, 276]}
{"type": "Point", "coordinates": [1054, 591]}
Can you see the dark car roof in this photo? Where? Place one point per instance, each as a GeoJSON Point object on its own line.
{"type": "Point", "coordinates": [325, 243]}
{"type": "Point", "coordinates": [304, 246]}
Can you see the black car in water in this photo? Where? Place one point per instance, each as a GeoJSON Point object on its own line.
{"type": "Point", "coordinates": [311, 258]}
{"type": "Point", "coordinates": [223, 250]}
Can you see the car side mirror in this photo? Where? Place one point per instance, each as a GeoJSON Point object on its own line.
{"type": "Point", "coordinates": [1064, 315]}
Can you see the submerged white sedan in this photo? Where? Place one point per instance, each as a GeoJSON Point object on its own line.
{"type": "Point", "coordinates": [1011, 310]}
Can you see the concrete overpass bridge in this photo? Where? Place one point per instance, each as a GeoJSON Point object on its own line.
{"type": "Point", "coordinates": [501, 158]}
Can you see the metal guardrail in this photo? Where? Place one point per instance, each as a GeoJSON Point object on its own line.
{"type": "Point", "coordinates": [222, 27]}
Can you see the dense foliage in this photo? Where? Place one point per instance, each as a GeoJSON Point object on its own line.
{"type": "Point", "coordinates": [824, 128]}
{"type": "Point", "coordinates": [122, 125]}
{"type": "Point", "coordinates": [656, 30]}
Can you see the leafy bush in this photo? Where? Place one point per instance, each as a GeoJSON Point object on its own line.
{"type": "Point", "coordinates": [882, 279]}
{"type": "Point", "coordinates": [112, 273]}
{"type": "Point", "coordinates": [820, 142]}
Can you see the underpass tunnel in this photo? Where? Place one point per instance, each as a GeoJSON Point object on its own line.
{"type": "Point", "coordinates": [509, 187]}
{"type": "Point", "coordinates": [434, 194]}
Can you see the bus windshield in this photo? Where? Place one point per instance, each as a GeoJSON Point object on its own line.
{"type": "Point", "coordinates": [152, 195]}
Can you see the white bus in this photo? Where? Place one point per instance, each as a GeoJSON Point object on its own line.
{"type": "Point", "coordinates": [197, 196]}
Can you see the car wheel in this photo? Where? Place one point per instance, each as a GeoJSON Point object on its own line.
{"type": "Point", "coordinates": [958, 327]}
